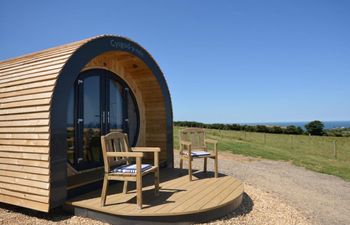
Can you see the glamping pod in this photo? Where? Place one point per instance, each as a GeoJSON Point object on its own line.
{"type": "Point", "coordinates": [54, 106]}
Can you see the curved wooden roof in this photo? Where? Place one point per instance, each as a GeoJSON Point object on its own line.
{"type": "Point", "coordinates": [27, 89]}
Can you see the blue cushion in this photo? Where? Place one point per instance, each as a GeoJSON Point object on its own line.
{"type": "Point", "coordinates": [130, 168]}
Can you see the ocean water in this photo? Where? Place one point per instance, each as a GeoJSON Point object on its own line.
{"type": "Point", "coordinates": [327, 124]}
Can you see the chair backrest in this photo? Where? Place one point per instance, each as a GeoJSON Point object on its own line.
{"type": "Point", "coordinates": [194, 135]}
{"type": "Point", "coordinates": [114, 142]}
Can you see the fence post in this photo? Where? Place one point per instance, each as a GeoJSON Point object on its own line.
{"type": "Point", "coordinates": [310, 139]}
{"type": "Point", "coordinates": [335, 149]}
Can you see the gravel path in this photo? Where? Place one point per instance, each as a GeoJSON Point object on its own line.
{"type": "Point", "coordinates": [320, 198]}
{"type": "Point", "coordinates": [260, 208]}
{"type": "Point", "coordinates": [13, 215]}
{"type": "Point", "coordinates": [275, 193]}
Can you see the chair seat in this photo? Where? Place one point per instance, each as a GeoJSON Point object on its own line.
{"type": "Point", "coordinates": [131, 168]}
{"type": "Point", "coordinates": [197, 153]}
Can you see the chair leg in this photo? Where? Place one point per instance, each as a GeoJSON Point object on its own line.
{"type": "Point", "coordinates": [139, 192]}
{"type": "Point", "coordinates": [190, 168]}
{"type": "Point", "coordinates": [156, 182]}
{"type": "Point", "coordinates": [104, 190]}
{"type": "Point", "coordinates": [216, 166]}
{"type": "Point", "coordinates": [181, 163]}
{"type": "Point", "coordinates": [205, 165]}
{"type": "Point", "coordinates": [125, 187]}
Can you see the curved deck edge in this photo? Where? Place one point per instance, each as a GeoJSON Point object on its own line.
{"type": "Point", "coordinates": [189, 218]}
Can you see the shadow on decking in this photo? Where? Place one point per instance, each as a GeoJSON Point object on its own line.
{"type": "Point", "coordinates": [149, 200]}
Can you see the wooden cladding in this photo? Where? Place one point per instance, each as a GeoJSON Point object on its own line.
{"type": "Point", "coordinates": [27, 87]}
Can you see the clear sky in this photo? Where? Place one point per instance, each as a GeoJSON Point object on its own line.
{"type": "Point", "coordinates": [225, 61]}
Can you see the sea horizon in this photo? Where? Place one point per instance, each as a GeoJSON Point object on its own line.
{"type": "Point", "coordinates": [327, 124]}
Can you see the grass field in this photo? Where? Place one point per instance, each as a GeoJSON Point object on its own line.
{"type": "Point", "coordinates": [330, 155]}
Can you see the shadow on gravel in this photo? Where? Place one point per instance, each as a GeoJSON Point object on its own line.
{"type": "Point", "coordinates": [55, 215]}
{"type": "Point", "coordinates": [245, 208]}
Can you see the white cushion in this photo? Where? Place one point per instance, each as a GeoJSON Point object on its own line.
{"type": "Point", "coordinates": [199, 153]}
{"type": "Point", "coordinates": [130, 168]}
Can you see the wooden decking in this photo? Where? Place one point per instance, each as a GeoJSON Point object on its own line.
{"type": "Point", "coordinates": [180, 200]}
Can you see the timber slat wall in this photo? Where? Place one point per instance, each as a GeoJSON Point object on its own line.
{"type": "Point", "coordinates": [26, 87]}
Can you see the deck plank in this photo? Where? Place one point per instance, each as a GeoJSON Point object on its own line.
{"type": "Point", "coordinates": [173, 189]}
{"type": "Point", "coordinates": [200, 200]}
{"type": "Point", "coordinates": [178, 196]}
{"type": "Point", "coordinates": [194, 187]}
{"type": "Point", "coordinates": [220, 199]}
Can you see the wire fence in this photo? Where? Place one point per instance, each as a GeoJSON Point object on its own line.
{"type": "Point", "coordinates": [337, 148]}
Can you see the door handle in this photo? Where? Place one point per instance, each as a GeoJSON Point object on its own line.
{"type": "Point", "coordinates": [103, 117]}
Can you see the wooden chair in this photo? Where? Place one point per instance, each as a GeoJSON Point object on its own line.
{"type": "Point", "coordinates": [117, 156]}
{"type": "Point", "coordinates": [193, 144]}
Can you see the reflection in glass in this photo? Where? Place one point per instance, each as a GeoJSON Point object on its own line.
{"type": "Point", "coordinates": [92, 120]}
{"type": "Point", "coordinates": [98, 104]}
{"type": "Point", "coordinates": [133, 119]}
{"type": "Point", "coordinates": [123, 111]}
{"type": "Point", "coordinates": [116, 106]}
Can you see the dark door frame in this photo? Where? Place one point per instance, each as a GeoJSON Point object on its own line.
{"type": "Point", "coordinates": [59, 103]}
{"type": "Point", "coordinates": [105, 76]}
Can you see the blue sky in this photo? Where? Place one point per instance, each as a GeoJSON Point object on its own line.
{"type": "Point", "coordinates": [225, 61]}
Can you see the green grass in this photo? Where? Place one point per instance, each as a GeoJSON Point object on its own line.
{"type": "Point", "coordinates": [314, 153]}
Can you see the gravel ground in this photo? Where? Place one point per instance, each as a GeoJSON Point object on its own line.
{"type": "Point", "coordinates": [320, 198]}
{"type": "Point", "coordinates": [275, 193]}
{"type": "Point", "coordinates": [259, 208]}
{"type": "Point", "coordinates": [11, 215]}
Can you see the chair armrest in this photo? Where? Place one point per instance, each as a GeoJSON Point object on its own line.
{"type": "Point", "coordinates": [145, 149]}
{"type": "Point", "coordinates": [215, 143]}
{"type": "Point", "coordinates": [188, 148]}
{"type": "Point", "coordinates": [212, 141]}
{"type": "Point", "coordinates": [186, 143]}
{"type": "Point", "coordinates": [125, 154]}
{"type": "Point", "coordinates": [155, 150]}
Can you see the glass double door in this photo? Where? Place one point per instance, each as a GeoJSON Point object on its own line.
{"type": "Point", "coordinates": [102, 104]}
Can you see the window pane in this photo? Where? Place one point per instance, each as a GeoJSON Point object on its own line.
{"type": "Point", "coordinates": [133, 120]}
{"type": "Point", "coordinates": [116, 106]}
{"type": "Point", "coordinates": [92, 121]}
{"type": "Point", "coordinates": [117, 103]}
